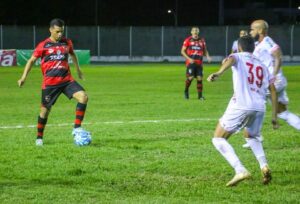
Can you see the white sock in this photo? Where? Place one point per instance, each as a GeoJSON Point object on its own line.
{"type": "Point", "coordinates": [292, 119]}
{"type": "Point", "coordinates": [260, 138]}
{"type": "Point", "coordinates": [228, 153]}
{"type": "Point", "coordinates": [258, 151]}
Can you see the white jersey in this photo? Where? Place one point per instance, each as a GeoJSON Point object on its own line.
{"type": "Point", "coordinates": [251, 79]}
{"type": "Point", "coordinates": [234, 48]}
{"type": "Point", "coordinates": [263, 51]}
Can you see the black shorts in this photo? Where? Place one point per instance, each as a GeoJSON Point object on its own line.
{"type": "Point", "coordinates": [194, 70]}
{"type": "Point", "coordinates": [51, 94]}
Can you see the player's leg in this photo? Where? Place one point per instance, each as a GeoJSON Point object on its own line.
{"type": "Point", "coordinates": [291, 118]}
{"type": "Point", "coordinates": [76, 91]}
{"type": "Point", "coordinates": [253, 131]}
{"type": "Point", "coordinates": [49, 97]}
{"type": "Point", "coordinates": [189, 79]}
{"type": "Point", "coordinates": [283, 100]}
{"type": "Point", "coordinates": [42, 121]}
{"type": "Point", "coordinates": [246, 136]}
{"type": "Point", "coordinates": [82, 100]}
{"type": "Point", "coordinates": [230, 123]}
{"type": "Point", "coordinates": [199, 73]}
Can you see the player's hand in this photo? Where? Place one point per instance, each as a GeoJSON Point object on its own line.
{"type": "Point", "coordinates": [212, 77]}
{"type": "Point", "coordinates": [275, 124]}
{"type": "Point", "coordinates": [191, 61]}
{"type": "Point", "coordinates": [21, 82]}
{"type": "Point", "coordinates": [209, 59]}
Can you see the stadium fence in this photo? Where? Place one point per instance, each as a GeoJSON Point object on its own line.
{"type": "Point", "coordinates": [111, 44]}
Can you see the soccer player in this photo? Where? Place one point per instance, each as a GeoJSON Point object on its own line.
{"type": "Point", "coordinates": [270, 54]}
{"type": "Point", "coordinates": [193, 50]}
{"type": "Point", "coordinates": [246, 108]}
{"type": "Point", "coordinates": [234, 48]}
{"type": "Point", "coordinates": [54, 52]}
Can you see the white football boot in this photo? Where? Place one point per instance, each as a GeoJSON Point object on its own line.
{"type": "Point", "coordinates": [238, 178]}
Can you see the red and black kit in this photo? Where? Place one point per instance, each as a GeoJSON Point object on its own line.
{"type": "Point", "coordinates": [56, 72]}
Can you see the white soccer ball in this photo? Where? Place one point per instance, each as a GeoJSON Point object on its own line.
{"type": "Point", "coordinates": [83, 138]}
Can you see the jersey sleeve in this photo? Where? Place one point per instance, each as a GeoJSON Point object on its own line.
{"type": "Point", "coordinates": [234, 47]}
{"type": "Point", "coordinates": [185, 43]}
{"type": "Point", "coordinates": [38, 51]}
{"type": "Point", "coordinates": [235, 56]}
{"type": "Point", "coordinates": [271, 46]}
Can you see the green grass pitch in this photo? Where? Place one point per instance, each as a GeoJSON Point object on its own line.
{"type": "Point", "coordinates": [150, 145]}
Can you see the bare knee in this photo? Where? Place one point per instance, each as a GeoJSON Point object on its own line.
{"type": "Point", "coordinates": [81, 97]}
{"type": "Point", "coordinates": [199, 78]}
{"type": "Point", "coordinates": [44, 112]}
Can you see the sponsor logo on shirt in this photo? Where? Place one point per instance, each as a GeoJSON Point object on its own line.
{"type": "Point", "coordinates": [58, 56]}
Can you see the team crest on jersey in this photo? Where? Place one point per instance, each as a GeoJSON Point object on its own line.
{"type": "Point", "coordinates": [47, 98]}
{"type": "Point", "coordinates": [58, 52]}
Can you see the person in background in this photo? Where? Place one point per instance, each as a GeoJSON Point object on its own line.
{"type": "Point", "coordinates": [193, 50]}
{"type": "Point", "coordinates": [234, 48]}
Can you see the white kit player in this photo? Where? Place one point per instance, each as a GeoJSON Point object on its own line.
{"type": "Point", "coordinates": [234, 47]}
{"type": "Point", "coordinates": [270, 54]}
{"type": "Point", "coordinates": [246, 109]}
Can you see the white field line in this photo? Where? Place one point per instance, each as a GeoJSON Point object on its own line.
{"type": "Point", "coordinates": [113, 122]}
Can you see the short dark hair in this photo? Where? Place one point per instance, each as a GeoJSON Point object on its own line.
{"type": "Point", "coordinates": [246, 43]}
{"type": "Point", "coordinates": [57, 22]}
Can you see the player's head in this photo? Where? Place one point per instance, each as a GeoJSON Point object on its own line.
{"type": "Point", "coordinates": [56, 29]}
{"type": "Point", "coordinates": [243, 33]}
{"type": "Point", "coordinates": [195, 31]}
{"type": "Point", "coordinates": [246, 44]}
{"type": "Point", "coordinates": [259, 28]}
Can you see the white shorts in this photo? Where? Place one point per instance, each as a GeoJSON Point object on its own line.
{"type": "Point", "coordinates": [234, 120]}
{"type": "Point", "coordinates": [280, 85]}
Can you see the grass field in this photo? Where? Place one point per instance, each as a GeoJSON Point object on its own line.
{"type": "Point", "coordinates": [149, 144]}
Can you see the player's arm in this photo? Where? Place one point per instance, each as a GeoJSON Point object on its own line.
{"type": "Point", "coordinates": [206, 53]}
{"type": "Point", "coordinates": [274, 105]}
{"type": "Point", "coordinates": [183, 53]}
{"type": "Point", "coordinates": [27, 69]}
{"type": "Point", "coordinates": [225, 66]}
{"type": "Point", "coordinates": [76, 64]}
{"type": "Point", "coordinates": [277, 54]}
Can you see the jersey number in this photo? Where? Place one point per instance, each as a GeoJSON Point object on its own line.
{"type": "Point", "coordinates": [256, 77]}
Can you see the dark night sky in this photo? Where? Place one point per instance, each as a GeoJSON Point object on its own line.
{"type": "Point", "coordinates": [136, 12]}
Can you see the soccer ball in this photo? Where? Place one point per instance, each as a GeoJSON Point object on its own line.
{"type": "Point", "coordinates": [82, 138]}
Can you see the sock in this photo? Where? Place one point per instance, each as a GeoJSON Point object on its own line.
{"type": "Point", "coordinates": [187, 84]}
{"type": "Point", "coordinates": [80, 111]}
{"type": "Point", "coordinates": [258, 151]}
{"type": "Point", "coordinates": [291, 119]}
{"type": "Point", "coordinates": [199, 88]}
{"type": "Point", "coordinates": [228, 153]}
{"type": "Point", "coordinates": [260, 138]}
{"type": "Point", "coordinates": [40, 127]}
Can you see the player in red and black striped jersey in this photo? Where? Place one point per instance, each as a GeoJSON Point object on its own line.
{"type": "Point", "coordinates": [192, 50]}
{"type": "Point", "coordinates": [54, 53]}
